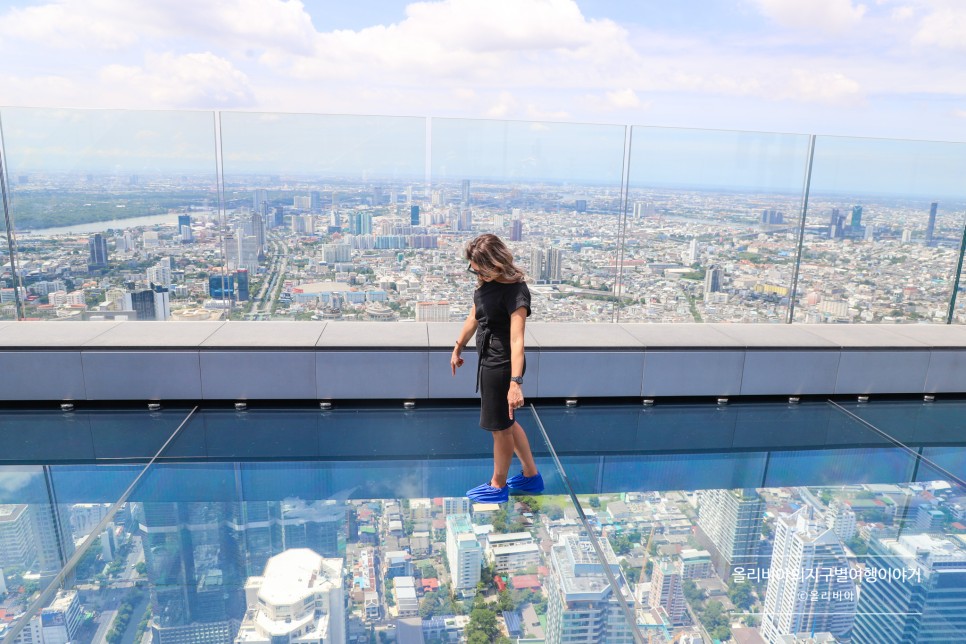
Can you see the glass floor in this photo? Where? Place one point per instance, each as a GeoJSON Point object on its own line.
{"type": "Point", "coordinates": [751, 522]}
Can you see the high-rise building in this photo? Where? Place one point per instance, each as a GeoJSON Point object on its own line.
{"type": "Point", "coordinates": [160, 273]}
{"type": "Point", "coordinates": [856, 222]}
{"type": "Point", "coordinates": [432, 311]}
{"type": "Point", "coordinates": [259, 199]}
{"type": "Point", "coordinates": [807, 591]}
{"type": "Point", "coordinates": [464, 553]}
{"type": "Point", "coordinates": [692, 256]}
{"type": "Point", "coordinates": [836, 226]}
{"type": "Point", "coordinates": [414, 215]}
{"type": "Point", "coordinates": [184, 228]}
{"type": "Point", "coordinates": [60, 621]}
{"type": "Point", "coordinates": [465, 192]}
{"type": "Point", "coordinates": [537, 269]}
{"type": "Point", "coordinates": [554, 265]}
{"type": "Point", "coordinates": [929, 519]}
{"type": "Point", "coordinates": [772, 217]}
{"type": "Point", "coordinates": [712, 280]}
{"type": "Point", "coordinates": [667, 592]}
{"type": "Point", "coordinates": [221, 287]}
{"type": "Point", "coordinates": [194, 573]}
{"type": "Point", "coordinates": [97, 247]}
{"type": "Point", "coordinates": [258, 230]}
{"type": "Point", "coordinates": [315, 200]}
{"type": "Point", "coordinates": [730, 521]}
{"type": "Point", "coordinates": [241, 282]}
{"type": "Point", "coordinates": [931, 225]}
{"type": "Point", "coordinates": [516, 230]}
{"type": "Point", "coordinates": [581, 605]}
{"type": "Point", "coordinates": [580, 205]}
{"type": "Point", "coordinates": [360, 223]}
{"type": "Point", "coordinates": [913, 590]}
{"type": "Point", "coordinates": [152, 303]}
{"type": "Point", "coordinates": [298, 600]}
{"type": "Point", "coordinates": [841, 519]}
{"type": "Point", "coordinates": [16, 547]}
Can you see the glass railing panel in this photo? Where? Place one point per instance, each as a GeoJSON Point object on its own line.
{"type": "Point", "coordinates": [916, 424]}
{"type": "Point", "coordinates": [702, 536]}
{"type": "Point", "coordinates": [883, 231]}
{"type": "Point", "coordinates": [115, 212]}
{"type": "Point", "coordinates": [319, 217]}
{"type": "Point", "coordinates": [83, 563]}
{"type": "Point", "coordinates": [712, 225]}
{"type": "Point", "coordinates": [552, 191]}
{"type": "Point", "coordinates": [85, 435]}
{"type": "Point", "coordinates": [32, 532]}
{"type": "Point", "coordinates": [375, 508]}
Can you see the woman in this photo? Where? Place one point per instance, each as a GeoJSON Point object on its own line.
{"type": "Point", "coordinates": [501, 305]}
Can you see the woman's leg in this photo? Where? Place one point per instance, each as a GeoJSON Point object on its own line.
{"type": "Point", "coordinates": [503, 444]}
{"type": "Point", "coordinates": [521, 445]}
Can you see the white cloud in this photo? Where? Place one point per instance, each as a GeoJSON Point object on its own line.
{"type": "Point", "coordinates": [623, 98]}
{"type": "Point", "coordinates": [200, 80]}
{"type": "Point", "coordinates": [826, 16]}
{"type": "Point", "coordinates": [944, 27]}
{"type": "Point", "coordinates": [120, 24]}
{"type": "Point", "coordinates": [959, 114]}
{"type": "Point", "coordinates": [832, 88]}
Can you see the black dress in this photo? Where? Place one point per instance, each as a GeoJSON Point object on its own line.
{"type": "Point", "coordinates": [495, 302]}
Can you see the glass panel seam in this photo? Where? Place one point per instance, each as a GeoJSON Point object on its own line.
{"type": "Point", "coordinates": [629, 613]}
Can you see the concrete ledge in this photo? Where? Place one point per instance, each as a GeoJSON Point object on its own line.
{"type": "Point", "coordinates": [365, 360]}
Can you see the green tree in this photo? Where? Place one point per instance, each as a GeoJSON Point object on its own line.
{"type": "Point", "coordinates": [505, 602]}
{"type": "Point", "coordinates": [740, 595]}
{"type": "Point", "coordinates": [483, 621]}
{"type": "Point", "coordinates": [594, 502]}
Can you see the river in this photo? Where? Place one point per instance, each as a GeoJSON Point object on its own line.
{"type": "Point", "coordinates": [101, 226]}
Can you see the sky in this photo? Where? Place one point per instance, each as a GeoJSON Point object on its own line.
{"type": "Point", "coordinates": [886, 68]}
{"type": "Point", "coordinates": [893, 69]}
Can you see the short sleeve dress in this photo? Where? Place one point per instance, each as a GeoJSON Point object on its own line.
{"type": "Point", "coordinates": [495, 302]}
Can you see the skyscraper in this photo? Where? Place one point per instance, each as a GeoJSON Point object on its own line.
{"type": "Point", "coordinates": [731, 522]}
{"type": "Point", "coordinates": [516, 230]}
{"type": "Point", "coordinates": [97, 245]}
{"type": "Point", "coordinates": [668, 592]}
{"type": "Point", "coordinates": [360, 223]}
{"type": "Point", "coordinates": [221, 287]}
{"type": "Point", "coordinates": [856, 223]}
{"type": "Point", "coordinates": [184, 228]}
{"type": "Point", "coordinates": [464, 553]}
{"type": "Point", "coordinates": [582, 607]}
{"type": "Point", "coordinates": [914, 590]}
{"type": "Point", "coordinates": [414, 215]}
{"type": "Point", "coordinates": [536, 264]}
{"type": "Point", "coordinates": [931, 226]}
{"type": "Point", "coordinates": [152, 303]}
{"type": "Point", "coordinates": [259, 199]}
{"type": "Point", "coordinates": [712, 280]}
{"type": "Point", "coordinates": [809, 589]}
{"type": "Point", "coordinates": [241, 281]}
{"type": "Point", "coordinates": [554, 265]}
{"type": "Point", "coordinates": [299, 598]}
{"type": "Point", "coordinates": [466, 192]}
{"type": "Point", "coordinates": [836, 226]}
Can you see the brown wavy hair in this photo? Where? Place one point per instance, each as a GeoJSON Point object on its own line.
{"type": "Point", "coordinates": [494, 258]}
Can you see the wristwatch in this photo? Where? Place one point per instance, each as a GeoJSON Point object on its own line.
{"type": "Point", "coordinates": [517, 379]}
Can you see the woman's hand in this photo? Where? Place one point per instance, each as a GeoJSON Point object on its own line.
{"type": "Point", "coordinates": [455, 361]}
{"type": "Point", "coordinates": [514, 398]}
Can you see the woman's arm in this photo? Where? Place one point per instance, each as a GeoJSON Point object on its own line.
{"type": "Point", "coordinates": [518, 323]}
{"type": "Point", "coordinates": [469, 328]}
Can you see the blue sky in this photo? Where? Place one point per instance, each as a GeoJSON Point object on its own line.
{"type": "Point", "coordinates": [861, 68]}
